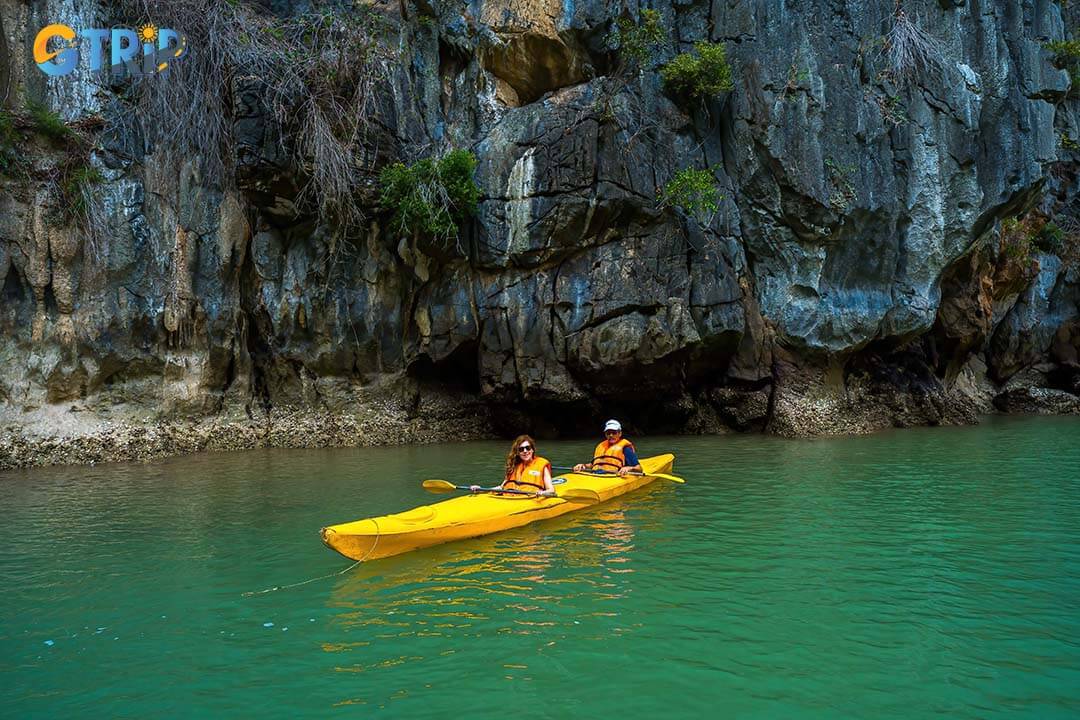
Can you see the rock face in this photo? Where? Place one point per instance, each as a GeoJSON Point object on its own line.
{"type": "Point", "coordinates": [853, 277]}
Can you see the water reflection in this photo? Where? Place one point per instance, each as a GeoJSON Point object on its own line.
{"type": "Point", "coordinates": [542, 581]}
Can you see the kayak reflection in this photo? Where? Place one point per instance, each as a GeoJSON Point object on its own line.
{"type": "Point", "coordinates": [511, 563]}
{"type": "Point", "coordinates": [543, 584]}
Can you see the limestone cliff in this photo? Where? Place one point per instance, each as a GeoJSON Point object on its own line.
{"type": "Point", "coordinates": [865, 267]}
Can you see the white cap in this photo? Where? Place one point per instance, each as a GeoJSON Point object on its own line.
{"type": "Point", "coordinates": [612, 425]}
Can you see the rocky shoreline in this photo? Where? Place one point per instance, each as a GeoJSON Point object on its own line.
{"type": "Point", "coordinates": [46, 438]}
{"type": "Point", "coordinates": [805, 406]}
{"type": "Point", "coordinates": [128, 442]}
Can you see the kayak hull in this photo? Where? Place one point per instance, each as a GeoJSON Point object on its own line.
{"type": "Point", "coordinates": [473, 515]}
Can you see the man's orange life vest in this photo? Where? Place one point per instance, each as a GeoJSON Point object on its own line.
{"type": "Point", "coordinates": [527, 476]}
{"type": "Point", "coordinates": [610, 458]}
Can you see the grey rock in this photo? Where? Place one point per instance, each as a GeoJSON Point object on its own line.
{"type": "Point", "coordinates": [849, 280]}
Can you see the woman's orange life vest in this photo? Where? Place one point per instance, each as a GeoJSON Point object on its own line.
{"type": "Point", "coordinates": [610, 458]}
{"type": "Point", "coordinates": [527, 476]}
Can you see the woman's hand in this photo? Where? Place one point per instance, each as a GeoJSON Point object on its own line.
{"type": "Point", "coordinates": [545, 493]}
{"type": "Point", "coordinates": [579, 467]}
{"type": "Point", "coordinates": [474, 488]}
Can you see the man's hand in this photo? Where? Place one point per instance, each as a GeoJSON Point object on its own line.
{"type": "Point", "coordinates": [579, 467]}
{"type": "Point", "coordinates": [624, 470]}
{"type": "Point", "coordinates": [474, 488]}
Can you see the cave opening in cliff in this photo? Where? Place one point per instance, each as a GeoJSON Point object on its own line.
{"type": "Point", "coordinates": [14, 292]}
{"type": "Point", "coordinates": [897, 362]}
{"type": "Point", "coordinates": [459, 370]}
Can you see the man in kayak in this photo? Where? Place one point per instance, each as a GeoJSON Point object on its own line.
{"type": "Point", "coordinates": [525, 471]}
{"type": "Point", "coordinates": [614, 454]}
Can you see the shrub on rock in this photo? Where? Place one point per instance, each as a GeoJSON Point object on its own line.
{"type": "Point", "coordinates": [431, 196]}
{"type": "Point", "coordinates": [705, 72]}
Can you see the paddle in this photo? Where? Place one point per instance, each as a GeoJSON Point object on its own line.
{"type": "Point", "coordinates": [661, 476]}
{"type": "Point", "coordinates": [580, 495]}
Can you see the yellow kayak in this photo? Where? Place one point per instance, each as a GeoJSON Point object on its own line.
{"type": "Point", "coordinates": [475, 514]}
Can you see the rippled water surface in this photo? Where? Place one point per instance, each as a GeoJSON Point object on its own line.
{"type": "Point", "coordinates": [919, 572]}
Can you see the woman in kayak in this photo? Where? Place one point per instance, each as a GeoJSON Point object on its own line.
{"type": "Point", "coordinates": [614, 454]}
{"type": "Point", "coordinates": [525, 471]}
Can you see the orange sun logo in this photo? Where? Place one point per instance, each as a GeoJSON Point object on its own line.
{"type": "Point", "coordinates": [148, 33]}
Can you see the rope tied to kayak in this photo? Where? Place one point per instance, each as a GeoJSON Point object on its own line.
{"type": "Point", "coordinates": [375, 544]}
{"type": "Point", "coordinates": [298, 584]}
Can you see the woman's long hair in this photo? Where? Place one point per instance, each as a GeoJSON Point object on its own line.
{"type": "Point", "coordinates": [512, 459]}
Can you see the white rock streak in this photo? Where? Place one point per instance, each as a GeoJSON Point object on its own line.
{"type": "Point", "coordinates": [519, 190]}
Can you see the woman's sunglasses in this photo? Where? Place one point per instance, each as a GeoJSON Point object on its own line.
{"type": "Point", "coordinates": [525, 448]}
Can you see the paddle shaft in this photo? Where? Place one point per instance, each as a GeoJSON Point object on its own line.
{"type": "Point", "coordinates": [597, 472]}
{"type": "Point", "coordinates": [496, 490]}
{"type": "Point", "coordinates": [662, 476]}
{"type": "Point", "coordinates": [570, 494]}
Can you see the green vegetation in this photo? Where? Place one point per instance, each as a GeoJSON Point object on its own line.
{"type": "Point", "coordinates": [1064, 49]}
{"type": "Point", "coordinates": [1068, 143]}
{"type": "Point", "coordinates": [431, 197]}
{"type": "Point", "coordinates": [1015, 240]}
{"type": "Point", "coordinates": [1067, 57]}
{"type": "Point", "coordinates": [843, 191]}
{"type": "Point", "coordinates": [700, 74]}
{"type": "Point", "coordinates": [695, 192]}
{"type": "Point", "coordinates": [1020, 236]}
{"type": "Point", "coordinates": [637, 41]}
{"type": "Point", "coordinates": [47, 122]}
{"type": "Point", "coordinates": [1051, 239]}
{"type": "Point", "coordinates": [67, 174]}
{"type": "Point", "coordinates": [605, 112]}
{"type": "Point", "coordinates": [75, 188]}
{"type": "Point", "coordinates": [9, 138]}
{"type": "Point", "coordinates": [892, 109]}
{"type": "Point", "coordinates": [796, 78]}
{"type": "Point", "coordinates": [1060, 236]}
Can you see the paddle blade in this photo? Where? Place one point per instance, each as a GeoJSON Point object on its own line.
{"type": "Point", "coordinates": [439, 486]}
{"type": "Point", "coordinates": [579, 495]}
{"type": "Point", "coordinates": [672, 478]}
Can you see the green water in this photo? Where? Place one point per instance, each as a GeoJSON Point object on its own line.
{"type": "Point", "coordinates": [904, 575]}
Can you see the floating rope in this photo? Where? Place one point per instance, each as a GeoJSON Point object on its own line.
{"type": "Point", "coordinates": [378, 534]}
